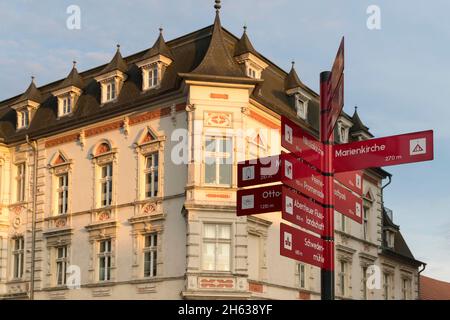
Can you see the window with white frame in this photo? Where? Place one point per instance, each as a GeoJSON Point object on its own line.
{"type": "Point", "coordinates": [301, 106]}
{"type": "Point", "coordinates": [218, 160]}
{"type": "Point", "coordinates": [151, 175]}
{"type": "Point", "coordinates": [150, 255]}
{"type": "Point", "coordinates": [216, 247]}
{"type": "Point", "coordinates": [252, 73]}
{"type": "Point", "coordinates": [386, 285]}
{"type": "Point", "coordinates": [18, 257]}
{"type": "Point", "coordinates": [389, 238]}
{"type": "Point", "coordinates": [66, 105]}
{"type": "Point", "coordinates": [20, 182]}
{"type": "Point", "coordinates": [61, 265]}
{"type": "Point", "coordinates": [104, 260]}
{"type": "Point", "coordinates": [364, 282]}
{"type": "Point", "coordinates": [342, 132]}
{"type": "Point", "coordinates": [63, 193]}
{"type": "Point", "coordinates": [366, 223]}
{"type": "Point", "coordinates": [111, 91]}
{"type": "Point", "coordinates": [343, 223]}
{"type": "Point", "coordinates": [106, 184]}
{"type": "Point", "coordinates": [301, 275]}
{"type": "Point", "coordinates": [406, 288]}
{"type": "Point", "coordinates": [153, 76]}
{"type": "Point", "coordinates": [23, 119]}
{"type": "Point", "coordinates": [343, 269]}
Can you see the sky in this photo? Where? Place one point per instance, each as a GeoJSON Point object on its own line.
{"type": "Point", "coordinates": [397, 75]}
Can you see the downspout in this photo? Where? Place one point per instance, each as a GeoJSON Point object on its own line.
{"type": "Point", "coordinates": [382, 191]}
{"type": "Point", "coordinates": [33, 145]}
{"type": "Point", "coordinates": [424, 265]}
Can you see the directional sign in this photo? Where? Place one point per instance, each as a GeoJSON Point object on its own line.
{"type": "Point", "coordinates": [302, 211]}
{"type": "Point", "coordinates": [258, 200]}
{"type": "Point", "coordinates": [301, 177]}
{"type": "Point", "coordinates": [336, 105]}
{"type": "Point", "coordinates": [301, 246]}
{"type": "Point", "coordinates": [347, 203]}
{"type": "Point", "coordinates": [335, 102]}
{"type": "Point", "coordinates": [387, 151]}
{"type": "Point", "coordinates": [259, 171]}
{"type": "Point", "coordinates": [338, 68]}
{"type": "Point", "coordinates": [352, 180]}
{"type": "Point", "coordinates": [302, 144]}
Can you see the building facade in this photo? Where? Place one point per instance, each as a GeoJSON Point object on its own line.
{"type": "Point", "coordinates": [120, 183]}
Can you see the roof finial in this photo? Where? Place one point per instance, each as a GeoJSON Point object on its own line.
{"type": "Point", "coordinates": [245, 27]}
{"type": "Point", "coordinates": [293, 64]}
{"type": "Point", "coordinates": [161, 30]}
{"type": "Point", "coordinates": [32, 79]}
{"type": "Point", "coordinates": [118, 47]}
{"type": "Point", "coordinates": [356, 108]}
{"type": "Point", "coordinates": [74, 64]}
{"type": "Point", "coordinates": [217, 6]}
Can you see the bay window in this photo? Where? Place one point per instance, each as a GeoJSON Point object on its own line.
{"type": "Point", "coordinates": [218, 160]}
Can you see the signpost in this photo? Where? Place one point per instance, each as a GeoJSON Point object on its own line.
{"type": "Point", "coordinates": [301, 246]}
{"type": "Point", "coordinates": [301, 211]}
{"type": "Point", "coordinates": [318, 178]}
{"type": "Point", "coordinates": [300, 143]}
{"type": "Point", "coordinates": [347, 203]}
{"type": "Point", "coordinates": [387, 151]}
{"type": "Point", "coordinates": [258, 200]}
{"type": "Point", "coordinates": [352, 180]}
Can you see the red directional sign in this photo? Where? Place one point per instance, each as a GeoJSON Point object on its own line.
{"type": "Point", "coordinates": [301, 246]}
{"type": "Point", "coordinates": [335, 102]}
{"type": "Point", "coordinates": [259, 171]}
{"type": "Point", "coordinates": [258, 200]}
{"type": "Point", "coordinates": [302, 211]}
{"type": "Point", "coordinates": [352, 180]}
{"type": "Point", "coordinates": [302, 144]}
{"type": "Point", "coordinates": [347, 203]}
{"type": "Point", "coordinates": [387, 151]}
{"type": "Point", "coordinates": [301, 177]}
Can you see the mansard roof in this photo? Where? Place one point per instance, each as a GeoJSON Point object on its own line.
{"type": "Point", "coordinates": [194, 53]}
{"type": "Point", "coordinates": [159, 48]}
{"type": "Point", "coordinates": [400, 249]}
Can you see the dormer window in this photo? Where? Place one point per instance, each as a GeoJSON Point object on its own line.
{"type": "Point", "coordinates": [252, 64]}
{"type": "Point", "coordinates": [110, 85]}
{"type": "Point", "coordinates": [23, 119]}
{"type": "Point", "coordinates": [252, 73]}
{"type": "Point", "coordinates": [153, 71]}
{"type": "Point", "coordinates": [67, 106]}
{"type": "Point", "coordinates": [389, 237]}
{"type": "Point", "coordinates": [110, 91]}
{"type": "Point", "coordinates": [301, 106]}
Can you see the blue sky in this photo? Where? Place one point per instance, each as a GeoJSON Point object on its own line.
{"type": "Point", "coordinates": [398, 76]}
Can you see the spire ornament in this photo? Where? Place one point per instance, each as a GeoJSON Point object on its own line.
{"type": "Point", "coordinates": [218, 6]}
